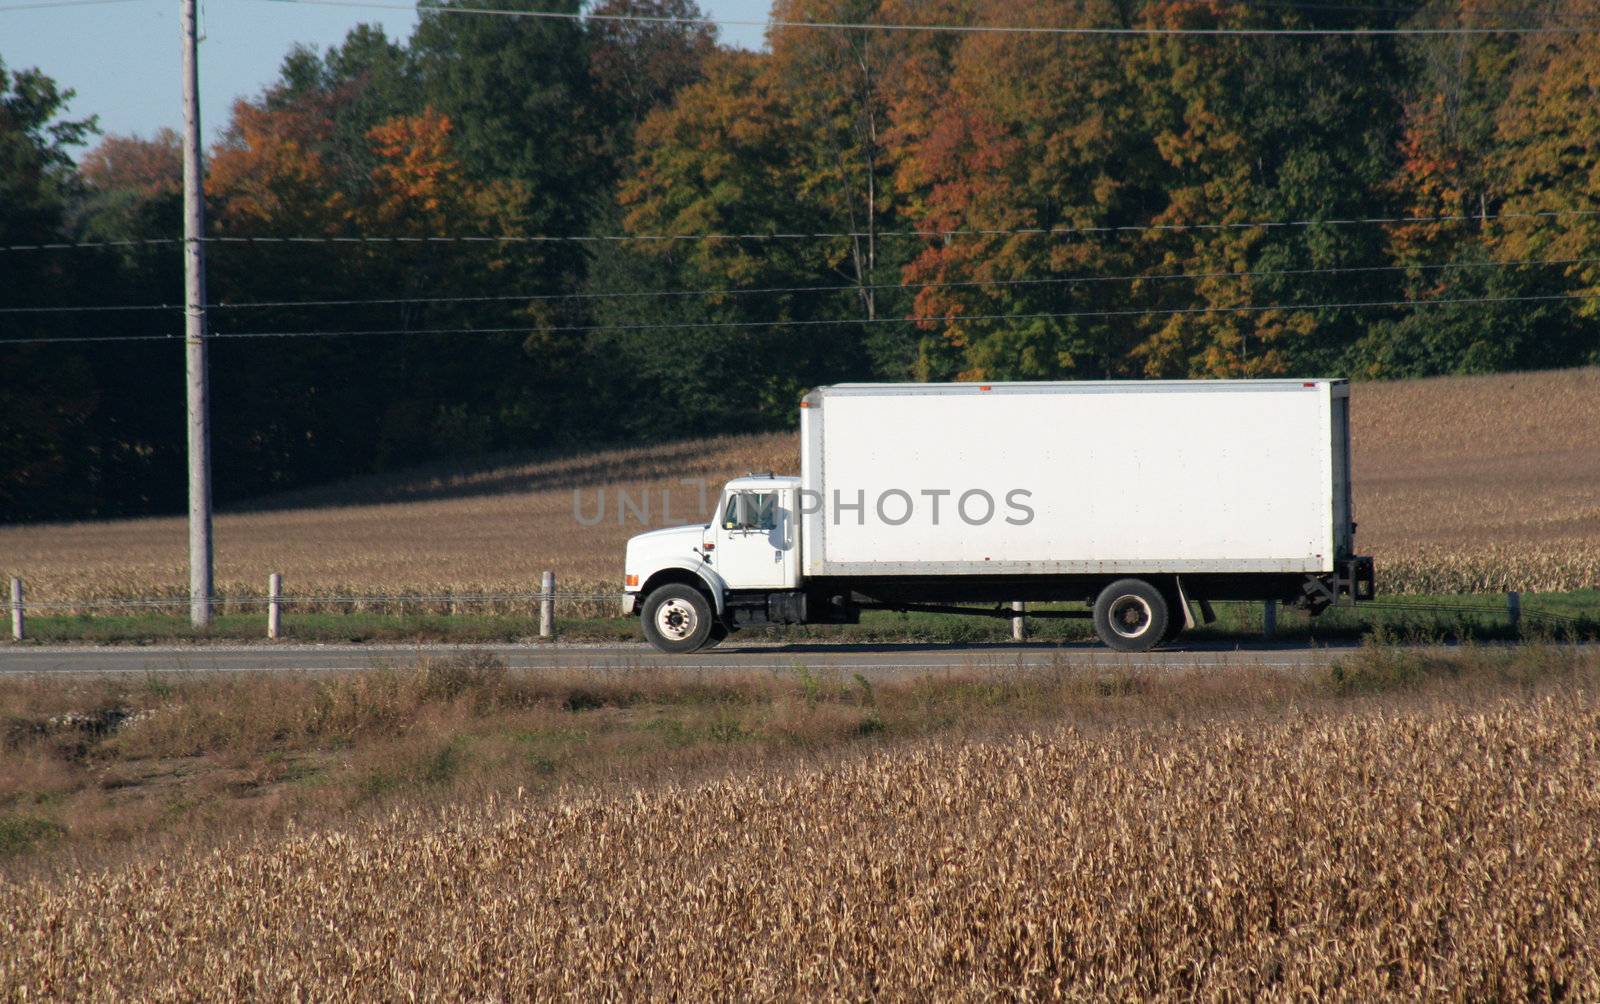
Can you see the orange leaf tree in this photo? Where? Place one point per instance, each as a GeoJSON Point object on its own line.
{"type": "Point", "coordinates": [1030, 134]}
{"type": "Point", "coordinates": [1547, 157]}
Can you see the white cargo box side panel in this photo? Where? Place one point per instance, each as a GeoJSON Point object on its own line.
{"type": "Point", "coordinates": [1223, 476]}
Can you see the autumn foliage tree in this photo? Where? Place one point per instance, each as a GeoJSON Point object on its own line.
{"type": "Point", "coordinates": [725, 159]}
{"type": "Point", "coordinates": [1486, 186]}
{"type": "Point", "coordinates": [270, 172]}
{"type": "Point", "coordinates": [1027, 163]}
{"type": "Point", "coordinates": [1546, 157]}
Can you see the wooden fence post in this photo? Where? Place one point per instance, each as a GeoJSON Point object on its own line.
{"type": "Point", "coordinates": [274, 610]}
{"type": "Point", "coordinates": [1019, 626]}
{"type": "Point", "coordinates": [1514, 610]}
{"type": "Point", "coordinates": [547, 606]}
{"type": "Point", "coordinates": [1269, 619]}
{"type": "Point", "coordinates": [19, 628]}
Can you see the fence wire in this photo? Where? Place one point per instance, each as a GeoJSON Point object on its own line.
{"type": "Point", "coordinates": [354, 600]}
{"type": "Point", "coordinates": [157, 603]}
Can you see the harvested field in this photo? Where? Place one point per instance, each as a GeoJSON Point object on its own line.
{"type": "Point", "coordinates": [1383, 848]}
{"type": "Point", "coordinates": [1481, 484]}
{"type": "Point", "coordinates": [483, 530]}
{"type": "Point", "coordinates": [96, 766]}
{"type": "Point", "coordinates": [1463, 484]}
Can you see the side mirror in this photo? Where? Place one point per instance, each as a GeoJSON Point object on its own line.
{"type": "Point", "coordinates": [744, 506]}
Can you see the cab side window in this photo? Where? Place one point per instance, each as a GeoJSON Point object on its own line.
{"type": "Point", "coordinates": [763, 510]}
{"type": "Point", "coordinates": [751, 511]}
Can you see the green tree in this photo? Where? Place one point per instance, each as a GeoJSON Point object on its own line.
{"type": "Point", "coordinates": [366, 80]}
{"type": "Point", "coordinates": [636, 67]}
{"type": "Point", "coordinates": [726, 158]}
{"type": "Point", "coordinates": [132, 189]}
{"type": "Point", "coordinates": [47, 393]}
{"type": "Point", "coordinates": [1294, 129]}
{"type": "Point", "coordinates": [517, 90]}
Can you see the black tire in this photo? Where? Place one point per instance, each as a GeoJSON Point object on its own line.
{"type": "Point", "coordinates": [1131, 615]}
{"type": "Point", "coordinates": [677, 619]}
{"type": "Point", "coordinates": [719, 634]}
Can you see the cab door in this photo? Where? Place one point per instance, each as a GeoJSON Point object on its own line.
{"type": "Point", "coordinates": [757, 546]}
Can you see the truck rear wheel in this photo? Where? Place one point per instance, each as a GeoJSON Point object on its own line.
{"type": "Point", "coordinates": [677, 619]}
{"type": "Point", "coordinates": [1131, 615]}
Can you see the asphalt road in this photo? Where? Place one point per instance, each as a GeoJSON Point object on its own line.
{"type": "Point", "coordinates": [883, 659]}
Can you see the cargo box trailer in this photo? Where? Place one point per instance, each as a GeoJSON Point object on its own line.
{"type": "Point", "coordinates": [1145, 500]}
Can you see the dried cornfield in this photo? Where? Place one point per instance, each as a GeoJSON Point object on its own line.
{"type": "Point", "coordinates": [1398, 851]}
{"type": "Point", "coordinates": [1480, 484]}
{"type": "Point", "coordinates": [1463, 484]}
{"type": "Point", "coordinates": [438, 533]}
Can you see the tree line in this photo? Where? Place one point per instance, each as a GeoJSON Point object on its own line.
{"type": "Point", "coordinates": [693, 235]}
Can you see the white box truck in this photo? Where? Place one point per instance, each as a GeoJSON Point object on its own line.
{"type": "Point", "coordinates": [1142, 499]}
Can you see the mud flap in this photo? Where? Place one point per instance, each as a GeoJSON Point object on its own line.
{"type": "Point", "coordinates": [1183, 601]}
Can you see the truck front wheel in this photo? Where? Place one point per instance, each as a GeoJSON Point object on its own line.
{"type": "Point", "coordinates": [677, 619]}
{"type": "Point", "coordinates": [1131, 615]}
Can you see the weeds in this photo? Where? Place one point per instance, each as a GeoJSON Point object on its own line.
{"type": "Point", "coordinates": [478, 672]}
{"type": "Point", "coordinates": [1369, 849]}
{"type": "Point", "coordinates": [21, 833]}
{"type": "Point", "coordinates": [111, 760]}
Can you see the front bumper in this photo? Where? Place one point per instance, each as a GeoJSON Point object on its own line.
{"type": "Point", "coordinates": [630, 604]}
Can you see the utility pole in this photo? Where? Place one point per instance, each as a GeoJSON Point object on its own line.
{"type": "Point", "coordinates": [194, 312]}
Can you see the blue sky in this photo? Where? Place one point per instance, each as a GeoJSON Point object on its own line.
{"type": "Point", "coordinates": [122, 58]}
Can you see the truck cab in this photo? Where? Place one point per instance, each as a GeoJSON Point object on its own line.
{"type": "Point", "coordinates": [691, 584]}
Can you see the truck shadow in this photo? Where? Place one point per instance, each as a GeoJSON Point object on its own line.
{"type": "Point", "coordinates": [1063, 647]}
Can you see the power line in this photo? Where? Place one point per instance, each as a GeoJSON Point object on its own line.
{"type": "Point", "coordinates": [62, 3]}
{"type": "Point", "coordinates": [92, 245]}
{"type": "Point", "coordinates": [832, 288]}
{"type": "Point", "coordinates": [6, 343]}
{"type": "Point", "coordinates": [1414, 10]}
{"type": "Point", "coordinates": [678, 326]}
{"type": "Point", "coordinates": [835, 235]}
{"type": "Point", "coordinates": [942, 28]}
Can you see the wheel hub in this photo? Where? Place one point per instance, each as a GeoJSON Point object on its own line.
{"type": "Point", "coordinates": [1130, 616]}
{"type": "Point", "coordinates": [676, 619]}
